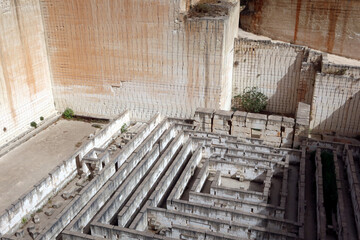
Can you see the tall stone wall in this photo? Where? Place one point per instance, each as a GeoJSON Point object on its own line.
{"type": "Point", "coordinates": [274, 68]}
{"type": "Point", "coordinates": [25, 83]}
{"type": "Point", "coordinates": [107, 56]}
{"type": "Point", "coordinates": [331, 26]}
{"type": "Point", "coordinates": [336, 105]}
{"type": "Point", "coordinates": [288, 74]}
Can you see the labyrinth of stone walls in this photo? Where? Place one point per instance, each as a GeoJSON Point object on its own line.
{"type": "Point", "coordinates": [166, 180]}
{"type": "Point", "coordinates": [330, 26]}
{"type": "Point", "coordinates": [107, 56]}
{"type": "Point", "coordinates": [102, 57]}
{"type": "Point", "coordinates": [25, 89]}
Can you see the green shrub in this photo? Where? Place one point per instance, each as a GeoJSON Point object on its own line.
{"type": "Point", "coordinates": [23, 221]}
{"type": "Point", "coordinates": [124, 128]}
{"type": "Point", "coordinates": [41, 118]}
{"type": "Point", "coordinates": [33, 124]}
{"type": "Point", "coordinates": [68, 113]}
{"type": "Point", "coordinates": [252, 100]}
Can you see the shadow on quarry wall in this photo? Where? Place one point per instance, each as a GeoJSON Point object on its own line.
{"type": "Point", "coordinates": [284, 100]}
{"type": "Point", "coordinates": [344, 121]}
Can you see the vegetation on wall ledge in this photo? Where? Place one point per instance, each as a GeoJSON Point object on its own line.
{"type": "Point", "coordinates": [251, 100]}
{"type": "Point", "coordinates": [68, 113]}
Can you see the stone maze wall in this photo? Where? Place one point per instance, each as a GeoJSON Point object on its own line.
{"type": "Point", "coordinates": [273, 130]}
{"type": "Point", "coordinates": [346, 173]}
{"type": "Point", "coordinates": [167, 180]}
{"type": "Point", "coordinates": [58, 178]}
{"type": "Point", "coordinates": [168, 61]}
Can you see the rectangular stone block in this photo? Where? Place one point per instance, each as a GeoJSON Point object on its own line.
{"type": "Point", "coordinates": [223, 114]}
{"type": "Point", "coordinates": [272, 133]}
{"type": "Point", "coordinates": [255, 120]}
{"type": "Point", "coordinates": [241, 129]}
{"type": "Point", "coordinates": [273, 144]}
{"type": "Point", "coordinates": [288, 122]}
{"type": "Point", "coordinates": [272, 139]}
{"type": "Point", "coordinates": [219, 131]}
{"type": "Point", "coordinates": [239, 118]}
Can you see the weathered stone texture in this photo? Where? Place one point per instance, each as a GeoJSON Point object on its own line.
{"type": "Point", "coordinates": [107, 56]}
{"type": "Point", "coordinates": [25, 88]}
{"type": "Point", "coordinates": [272, 67]}
{"type": "Point", "coordinates": [330, 26]}
{"type": "Point", "coordinates": [335, 107]}
{"type": "Point", "coordinates": [302, 124]}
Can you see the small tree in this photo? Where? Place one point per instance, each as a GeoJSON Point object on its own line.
{"type": "Point", "coordinates": [252, 100]}
{"type": "Point", "coordinates": [68, 113]}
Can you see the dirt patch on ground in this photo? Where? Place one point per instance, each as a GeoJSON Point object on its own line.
{"type": "Point", "coordinates": [210, 8]}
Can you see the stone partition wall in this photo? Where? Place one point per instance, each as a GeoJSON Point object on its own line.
{"type": "Point", "coordinates": [147, 56]}
{"type": "Point", "coordinates": [331, 26]}
{"type": "Point", "coordinates": [272, 130]}
{"type": "Point", "coordinates": [58, 178]}
{"type": "Point", "coordinates": [25, 84]}
{"type": "Point", "coordinates": [353, 180]}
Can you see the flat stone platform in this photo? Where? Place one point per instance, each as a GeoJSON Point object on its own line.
{"type": "Point", "coordinates": [28, 163]}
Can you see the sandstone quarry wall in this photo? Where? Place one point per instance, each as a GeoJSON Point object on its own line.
{"type": "Point", "coordinates": [25, 83]}
{"type": "Point", "coordinates": [108, 56]}
{"type": "Point", "coordinates": [274, 68]}
{"type": "Point", "coordinates": [331, 26]}
{"type": "Point", "coordinates": [288, 74]}
{"type": "Point", "coordinates": [336, 105]}
{"type": "Point", "coordinates": [102, 57]}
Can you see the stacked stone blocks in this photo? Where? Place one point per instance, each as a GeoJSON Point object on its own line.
{"type": "Point", "coordinates": [287, 131]}
{"type": "Point", "coordinates": [204, 116]}
{"type": "Point", "coordinates": [239, 125]}
{"type": "Point", "coordinates": [302, 123]}
{"type": "Point", "coordinates": [257, 124]}
{"type": "Point", "coordinates": [272, 130]}
{"type": "Point", "coordinates": [222, 122]}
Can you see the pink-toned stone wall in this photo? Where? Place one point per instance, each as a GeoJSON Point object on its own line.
{"type": "Point", "coordinates": [25, 83]}
{"type": "Point", "coordinates": [331, 26]}
{"type": "Point", "coordinates": [107, 56]}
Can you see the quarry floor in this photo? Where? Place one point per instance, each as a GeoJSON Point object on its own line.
{"type": "Point", "coordinates": [28, 163]}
